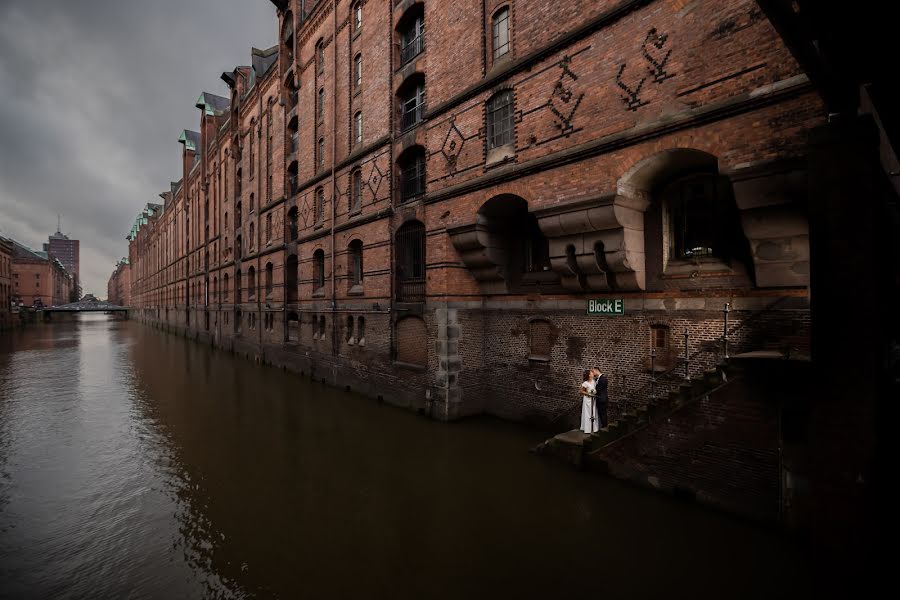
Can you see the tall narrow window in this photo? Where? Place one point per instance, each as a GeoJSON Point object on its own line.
{"type": "Point", "coordinates": [410, 267]}
{"type": "Point", "coordinates": [320, 57]}
{"type": "Point", "coordinates": [356, 191]}
{"type": "Point", "coordinates": [252, 202]}
{"type": "Point", "coordinates": [321, 153]}
{"type": "Point", "coordinates": [412, 35]}
{"type": "Point", "coordinates": [355, 260]}
{"type": "Point", "coordinates": [290, 279]}
{"type": "Point", "coordinates": [357, 71]}
{"type": "Point", "coordinates": [696, 218]}
{"type": "Point", "coordinates": [270, 276]}
{"type": "Point", "coordinates": [500, 120]}
{"type": "Point", "coordinates": [252, 157]}
{"type": "Point", "coordinates": [269, 155]}
{"type": "Point", "coordinates": [501, 33]}
{"type": "Point", "coordinates": [320, 108]}
{"type": "Point", "coordinates": [269, 227]}
{"type": "Point", "coordinates": [251, 283]}
{"type": "Point", "coordinates": [412, 104]}
{"type": "Point", "coordinates": [252, 237]}
{"type": "Point", "coordinates": [238, 287]}
{"type": "Point", "coordinates": [412, 173]}
{"type": "Point", "coordinates": [320, 205]}
{"type": "Point", "coordinates": [293, 231]}
{"type": "Point", "coordinates": [318, 270]}
{"type": "Point", "coordinates": [225, 289]}
{"type": "Point", "coordinates": [357, 17]}
{"type": "Point", "coordinates": [357, 128]}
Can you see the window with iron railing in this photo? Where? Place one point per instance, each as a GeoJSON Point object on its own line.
{"type": "Point", "coordinates": [412, 174]}
{"type": "Point", "coordinates": [410, 266]}
{"type": "Point", "coordinates": [412, 40]}
{"type": "Point", "coordinates": [412, 106]}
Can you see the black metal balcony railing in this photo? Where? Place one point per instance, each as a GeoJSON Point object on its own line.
{"type": "Point", "coordinates": [411, 290]}
{"type": "Point", "coordinates": [412, 117]}
{"type": "Point", "coordinates": [412, 48]}
{"type": "Point", "coordinates": [412, 184]}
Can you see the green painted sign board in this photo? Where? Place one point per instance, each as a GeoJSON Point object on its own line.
{"type": "Point", "coordinates": [606, 306]}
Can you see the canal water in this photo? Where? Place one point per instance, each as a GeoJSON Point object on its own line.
{"type": "Point", "coordinates": [136, 464]}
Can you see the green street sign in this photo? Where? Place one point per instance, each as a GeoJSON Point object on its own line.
{"type": "Point", "coordinates": [607, 306]}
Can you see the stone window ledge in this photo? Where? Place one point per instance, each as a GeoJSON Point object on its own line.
{"type": "Point", "coordinates": [319, 293]}
{"type": "Point", "coordinates": [688, 268]}
{"type": "Point", "coordinates": [499, 156]}
{"type": "Point", "coordinates": [356, 290]}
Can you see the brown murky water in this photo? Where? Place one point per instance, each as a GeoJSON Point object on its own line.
{"type": "Point", "coordinates": [135, 464]}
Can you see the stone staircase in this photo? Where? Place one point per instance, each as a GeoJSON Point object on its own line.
{"type": "Point", "coordinates": [575, 447]}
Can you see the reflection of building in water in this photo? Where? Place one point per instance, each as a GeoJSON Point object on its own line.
{"type": "Point", "coordinates": [427, 222]}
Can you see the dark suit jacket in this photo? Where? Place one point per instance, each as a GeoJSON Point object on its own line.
{"type": "Point", "coordinates": [602, 383]}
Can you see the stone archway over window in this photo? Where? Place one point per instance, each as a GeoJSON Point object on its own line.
{"type": "Point", "coordinates": [505, 249]}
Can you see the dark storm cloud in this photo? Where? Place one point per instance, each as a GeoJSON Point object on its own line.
{"type": "Point", "coordinates": [93, 96]}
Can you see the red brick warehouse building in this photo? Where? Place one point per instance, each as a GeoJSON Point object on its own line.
{"type": "Point", "coordinates": [418, 202]}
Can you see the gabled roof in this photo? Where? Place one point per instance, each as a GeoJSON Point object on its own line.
{"type": "Point", "coordinates": [262, 60]}
{"type": "Point", "coordinates": [213, 105]}
{"type": "Point", "coordinates": [23, 251]}
{"type": "Point", "coordinates": [190, 139]}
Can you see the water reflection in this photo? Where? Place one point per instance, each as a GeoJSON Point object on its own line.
{"type": "Point", "coordinates": [172, 471]}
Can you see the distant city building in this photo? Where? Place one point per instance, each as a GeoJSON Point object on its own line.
{"type": "Point", "coordinates": [39, 280]}
{"type": "Point", "coordinates": [68, 252]}
{"type": "Point", "coordinates": [118, 288]}
{"type": "Point", "coordinates": [6, 251]}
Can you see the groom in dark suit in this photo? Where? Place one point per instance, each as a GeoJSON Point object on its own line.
{"type": "Point", "coordinates": [601, 383]}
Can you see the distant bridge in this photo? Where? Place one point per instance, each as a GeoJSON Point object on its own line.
{"type": "Point", "coordinates": [74, 307]}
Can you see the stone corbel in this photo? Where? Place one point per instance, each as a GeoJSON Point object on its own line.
{"type": "Point", "coordinates": [770, 199]}
{"type": "Point", "coordinates": [483, 259]}
{"type": "Point", "coordinates": [597, 245]}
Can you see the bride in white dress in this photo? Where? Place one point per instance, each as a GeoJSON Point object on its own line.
{"type": "Point", "coordinates": [590, 423]}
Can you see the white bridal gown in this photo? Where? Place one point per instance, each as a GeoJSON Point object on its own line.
{"type": "Point", "coordinates": [587, 406]}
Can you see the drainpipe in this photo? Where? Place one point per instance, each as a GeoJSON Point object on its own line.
{"type": "Point", "coordinates": [391, 124]}
{"type": "Point", "coordinates": [334, 329]}
{"type": "Point", "coordinates": [257, 130]}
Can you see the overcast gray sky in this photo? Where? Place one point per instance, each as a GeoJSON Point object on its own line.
{"type": "Point", "coordinates": [93, 96]}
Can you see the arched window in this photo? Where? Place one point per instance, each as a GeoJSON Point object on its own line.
{"type": "Point", "coordinates": [269, 227]}
{"type": "Point", "coordinates": [225, 289]}
{"type": "Point", "coordinates": [540, 340]}
{"type": "Point", "coordinates": [293, 232]}
{"type": "Point", "coordinates": [238, 216]}
{"type": "Point", "coordinates": [290, 279]}
{"type": "Point", "coordinates": [412, 173]}
{"type": "Point", "coordinates": [412, 33]}
{"type": "Point", "coordinates": [357, 128]}
{"type": "Point", "coordinates": [216, 297]}
{"type": "Point", "coordinates": [320, 205]}
{"type": "Point", "coordinates": [226, 220]}
{"type": "Point", "coordinates": [696, 218]}
{"type": "Point", "coordinates": [361, 331]}
{"type": "Point", "coordinates": [355, 263]}
{"type": "Point", "coordinates": [410, 267]}
{"type": "Point", "coordinates": [252, 202]}
{"type": "Point", "coordinates": [348, 332]}
{"type": "Point", "coordinates": [320, 57]}
{"type": "Point", "coordinates": [238, 287]}
{"type": "Point", "coordinates": [500, 120]}
{"type": "Point", "coordinates": [412, 102]}
{"type": "Point", "coordinates": [251, 283]}
{"type": "Point", "coordinates": [318, 270]}
{"type": "Point", "coordinates": [321, 327]}
{"type": "Point", "coordinates": [356, 190]}
{"type": "Point", "coordinates": [357, 17]}
{"type": "Point", "coordinates": [321, 154]}
{"type": "Point", "coordinates": [500, 27]}
{"type": "Point", "coordinates": [320, 107]}
{"type": "Point", "coordinates": [252, 236]}
{"type": "Point", "coordinates": [357, 71]}
{"type": "Point", "coordinates": [239, 246]}
{"type": "Point", "coordinates": [270, 272]}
